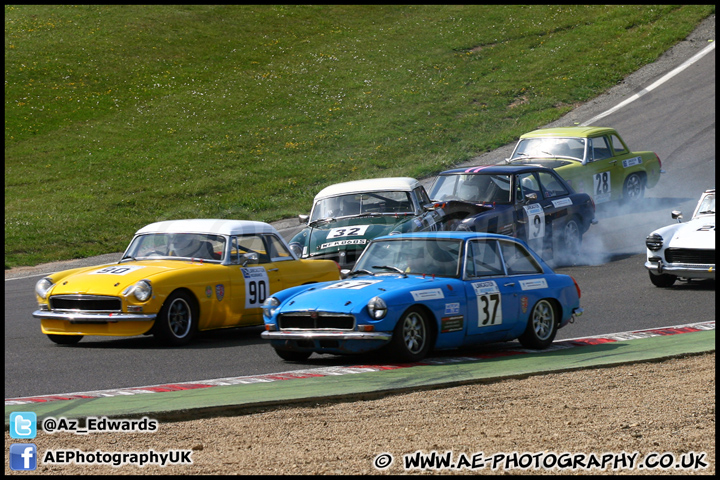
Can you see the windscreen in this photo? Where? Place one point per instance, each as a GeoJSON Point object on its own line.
{"type": "Point", "coordinates": [178, 245]}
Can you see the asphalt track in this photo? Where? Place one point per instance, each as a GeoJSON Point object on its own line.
{"type": "Point", "coordinates": [235, 396]}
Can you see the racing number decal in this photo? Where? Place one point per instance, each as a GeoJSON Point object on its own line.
{"type": "Point", "coordinates": [352, 284]}
{"type": "Point", "coordinates": [257, 292]}
{"type": "Point", "coordinates": [601, 187]}
{"type": "Point", "coordinates": [488, 309]}
{"type": "Point", "coordinates": [257, 286]}
{"type": "Point", "coordinates": [354, 231]}
{"type": "Point", "coordinates": [489, 303]}
{"type": "Point", "coordinates": [536, 221]}
{"type": "Point", "coordinates": [112, 270]}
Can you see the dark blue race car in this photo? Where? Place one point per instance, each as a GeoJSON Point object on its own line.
{"type": "Point", "coordinates": [410, 293]}
{"type": "Point", "coordinates": [529, 202]}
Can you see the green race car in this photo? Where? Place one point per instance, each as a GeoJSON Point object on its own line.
{"type": "Point", "coordinates": [345, 217]}
{"type": "Point", "coordinates": [594, 160]}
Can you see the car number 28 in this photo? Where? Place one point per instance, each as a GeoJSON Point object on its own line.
{"type": "Point", "coordinates": [257, 286]}
{"type": "Point", "coordinates": [601, 187]}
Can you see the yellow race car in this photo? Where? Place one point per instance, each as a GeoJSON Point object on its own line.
{"type": "Point", "coordinates": [176, 278]}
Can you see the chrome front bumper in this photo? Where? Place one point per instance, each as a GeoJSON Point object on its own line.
{"type": "Point", "coordinates": [687, 270]}
{"type": "Point", "coordinates": [325, 335]}
{"type": "Point", "coordinates": [83, 317]}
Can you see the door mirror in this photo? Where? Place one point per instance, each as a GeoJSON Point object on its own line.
{"type": "Point", "coordinates": [250, 257]}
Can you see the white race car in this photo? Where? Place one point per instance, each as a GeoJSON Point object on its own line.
{"type": "Point", "coordinates": [684, 250]}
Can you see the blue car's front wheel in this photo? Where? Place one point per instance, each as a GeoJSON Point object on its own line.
{"type": "Point", "coordinates": [412, 337]}
{"type": "Point", "coordinates": [293, 356]}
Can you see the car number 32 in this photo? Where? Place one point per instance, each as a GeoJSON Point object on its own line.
{"type": "Point", "coordinates": [355, 231]}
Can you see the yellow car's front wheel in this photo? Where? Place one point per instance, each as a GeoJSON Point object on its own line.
{"type": "Point", "coordinates": [176, 323]}
{"type": "Point", "coordinates": [65, 339]}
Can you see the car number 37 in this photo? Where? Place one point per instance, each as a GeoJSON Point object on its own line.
{"type": "Point", "coordinates": [490, 309]}
{"type": "Point", "coordinates": [489, 302]}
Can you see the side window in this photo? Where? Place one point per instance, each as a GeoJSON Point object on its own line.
{"type": "Point", "coordinates": [618, 145]}
{"type": "Point", "coordinates": [551, 185]}
{"type": "Point", "coordinates": [600, 148]}
{"type": "Point", "coordinates": [483, 259]}
{"type": "Point", "coordinates": [422, 196]}
{"type": "Point", "coordinates": [518, 260]}
{"type": "Point", "coordinates": [528, 184]}
{"type": "Point", "coordinates": [250, 244]}
{"type": "Point", "coordinates": [276, 249]}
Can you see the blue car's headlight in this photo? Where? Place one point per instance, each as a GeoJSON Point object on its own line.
{"type": "Point", "coordinates": [377, 308]}
{"type": "Point", "coordinates": [142, 290]}
{"type": "Point", "coordinates": [43, 286]}
{"type": "Point", "coordinates": [269, 306]}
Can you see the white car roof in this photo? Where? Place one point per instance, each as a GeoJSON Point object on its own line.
{"type": "Point", "coordinates": [214, 226]}
{"type": "Point", "coordinates": [404, 184]}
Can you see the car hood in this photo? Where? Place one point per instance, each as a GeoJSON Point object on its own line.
{"type": "Point", "coordinates": [112, 279]}
{"type": "Point", "coordinates": [697, 233]}
{"type": "Point", "coordinates": [351, 233]}
{"type": "Point", "coordinates": [547, 162]}
{"type": "Point", "coordinates": [463, 209]}
{"type": "Point", "coordinates": [353, 294]}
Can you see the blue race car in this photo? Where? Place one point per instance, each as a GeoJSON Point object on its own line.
{"type": "Point", "coordinates": [529, 202]}
{"type": "Point", "coordinates": [410, 293]}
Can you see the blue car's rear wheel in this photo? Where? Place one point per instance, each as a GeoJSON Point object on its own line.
{"type": "Point", "coordinates": [412, 337]}
{"type": "Point", "coordinates": [542, 326]}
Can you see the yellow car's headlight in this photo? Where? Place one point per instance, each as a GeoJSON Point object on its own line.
{"type": "Point", "coordinates": [142, 290]}
{"type": "Point", "coordinates": [43, 286]}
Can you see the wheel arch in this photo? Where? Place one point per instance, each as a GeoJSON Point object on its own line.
{"type": "Point", "coordinates": [641, 173]}
{"type": "Point", "coordinates": [432, 320]}
{"type": "Point", "coordinates": [558, 308]}
{"type": "Point", "coordinates": [194, 300]}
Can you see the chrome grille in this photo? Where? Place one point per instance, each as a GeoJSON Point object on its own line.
{"type": "Point", "coordinates": [686, 255]}
{"type": "Point", "coordinates": [315, 321]}
{"type": "Point", "coordinates": [351, 256]}
{"type": "Point", "coordinates": [85, 303]}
